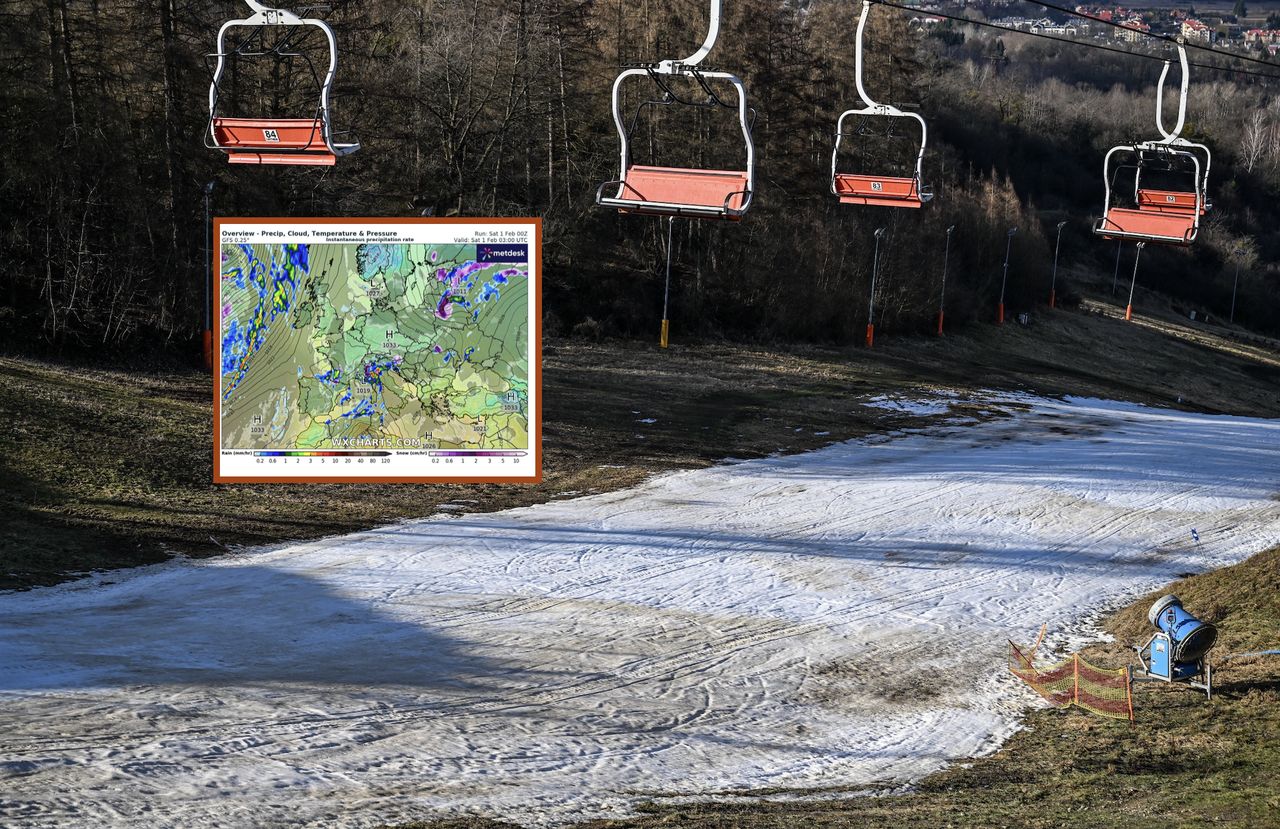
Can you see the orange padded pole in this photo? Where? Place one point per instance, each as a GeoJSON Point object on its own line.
{"type": "Point", "coordinates": [871, 334]}
{"type": "Point", "coordinates": [1000, 314]}
{"type": "Point", "coordinates": [208, 350]}
{"type": "Point", "coordinates": [666, 285]}
{"type": "Point", "coordinates": [1053, 298]}
{"type": "Point", "coordinates": [940, 315]}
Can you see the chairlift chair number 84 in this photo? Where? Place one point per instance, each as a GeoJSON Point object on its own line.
{"type": "Point", "coordinates": [290, 141]}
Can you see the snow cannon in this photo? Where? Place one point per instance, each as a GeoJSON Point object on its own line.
{"type": "Point", "coordinates": [1178, 651]}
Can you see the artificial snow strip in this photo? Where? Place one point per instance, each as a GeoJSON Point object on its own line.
{"type": "Point", "coordinates": [830, 619]}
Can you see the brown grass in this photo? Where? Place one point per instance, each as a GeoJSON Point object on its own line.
{"type": "Point", "coordinates": [102, 469]}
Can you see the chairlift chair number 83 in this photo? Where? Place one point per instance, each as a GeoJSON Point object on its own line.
{"type": "Point", "coordinates": [868, 189]}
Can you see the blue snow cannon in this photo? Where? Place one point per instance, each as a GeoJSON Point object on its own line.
{"type": "Point", "coordinates": [1178, 651]}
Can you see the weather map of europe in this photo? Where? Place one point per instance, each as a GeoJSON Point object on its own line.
{"type": "Point", "coordinates": [373, 349]}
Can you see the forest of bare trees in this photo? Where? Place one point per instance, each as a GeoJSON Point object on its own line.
{"type": "Point", "coordinates": [485, 107]}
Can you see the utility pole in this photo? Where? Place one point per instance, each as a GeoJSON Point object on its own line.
{"type": "Point", "coordinates": [208, 277]}
{"type": "Point", "coordinates": [871, 305]}
{"type": "Point", "coordinates": [1004, 280]}
{"type": "Point", "coordinates": [942, 295]}
{"type": "Point", "coordinates": [1053, 284]}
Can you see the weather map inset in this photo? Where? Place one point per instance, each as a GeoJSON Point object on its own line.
{"type": "Point", "coordinates": [373, 350]}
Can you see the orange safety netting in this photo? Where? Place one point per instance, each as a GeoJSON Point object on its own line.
{"type": "Point", "coordinates": [1074, 681]}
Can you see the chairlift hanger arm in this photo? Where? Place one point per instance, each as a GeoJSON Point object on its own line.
{"type": "Point", "coordinates": [668, 67]}
{"type": "Point", "coordinates": [689, 65]}
{"type": "Point", "coordinates": [1170, 136]}
{"type": "Point", "coordinates": [857, 56]}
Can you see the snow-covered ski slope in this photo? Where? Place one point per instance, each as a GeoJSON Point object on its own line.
{"type": "Point", "coordinates": [830, 619]}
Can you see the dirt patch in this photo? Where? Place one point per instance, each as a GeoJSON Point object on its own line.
{"type": "Point", "coordinates": [873, 685]}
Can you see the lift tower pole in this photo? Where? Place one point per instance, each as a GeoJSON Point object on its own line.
{"type": "Point", "coordinates": [871, 305]}
{"type": "Point", "coordinates": [208, 278]}
{"type": "Point", "coordinates": [1004, 280]}
{"type": "Point", "coordinates": [942, 294]}
{"type": "Point", "coordinates": [1053, 284]}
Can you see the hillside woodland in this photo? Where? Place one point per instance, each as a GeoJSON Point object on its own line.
{"type": "Point", "coordinates": [481, 107]}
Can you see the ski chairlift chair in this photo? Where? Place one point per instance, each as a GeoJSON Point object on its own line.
{"type": "Point", "coordinates": [682, 191]}
{"type": "Point", "coordinates": [862, 188]}
{"type": "Point", "coordinates": [1164, 216]}
{"type": "Point", "coordinates": [292, 141]}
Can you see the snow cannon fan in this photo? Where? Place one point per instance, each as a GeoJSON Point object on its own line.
{"type": "Point", "coordinates": [1178, 651]}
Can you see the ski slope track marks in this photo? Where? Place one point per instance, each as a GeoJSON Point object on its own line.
{"type": "Point", "coordinates": [832, 620]}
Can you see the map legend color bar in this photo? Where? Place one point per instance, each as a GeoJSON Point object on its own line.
{"type": "Point", "coordinates": [318, 453]}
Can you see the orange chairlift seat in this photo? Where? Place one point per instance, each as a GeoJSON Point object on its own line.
{"type": "Point", "coordinates": [290, 141]}
{"type": "Point", "coordinates": [877, 190]}
{"type": "Point", "coordinates": [682, 191]}
{"type": "Point", "coordinates": [1165, 216]}
{"type": "Point", "coordinates": [1148, 226]}
{"type": "Point", "coordinates": [880, 191]}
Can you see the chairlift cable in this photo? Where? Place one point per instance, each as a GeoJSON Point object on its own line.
{"type": "Point", "coordinates": [1166, 38]}
{"type": "Point", "coordinates": [1086, 44]}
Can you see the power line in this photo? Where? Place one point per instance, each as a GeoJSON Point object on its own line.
{"type": "Point", "coordinates": [1041, 35]}
{"type": "Point", "coordinates": [1166, 38]}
